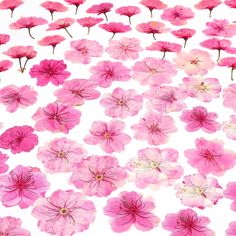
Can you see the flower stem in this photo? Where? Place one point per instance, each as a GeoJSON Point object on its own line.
{"type": "Point", "coordinates": [88, 31]}
{"type": "Point", "coordinates": [210, 11]}
{"type": "Point", "coordinates": [53, 49]}
{"type": "Point", "coordinates": [76, 9]}
{"type": "Point", "coordinates": [130, 20]}
{"type": "Point", "coordinates": [218, 57]}
{"type": "Point", "coordinates": [106, 16]}
{"type": "Point", "coordinates": [232, 74]}
{"type": "Point", "coordinates": [25, 65]}
{"type": "Point", "coordinates": [21, 69]}
{"type": "Point", "coordinates": [12, 11]}
{"type": "Point", "coordinates": [164, 54]}
{"type": "Point", "coordinates": [51, 15]}
{"type": "Point", "coordinates": [151, 11]}
{"type": "Point", "coordinates": [153, 35]}
{"type": "Point", "coordinates": [68, 32]}
{"type": "Point", "coordinates": [185, 42]}
{"type": "Point", "coordinates": [112, 36]}
{"type": "Point", "coordinates": [30, 33]}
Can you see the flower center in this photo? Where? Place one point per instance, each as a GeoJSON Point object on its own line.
{"type": "Point", "coordinates": [199, 191]}
{"type": "Point", "coordinates": [195, 61]}
{"type": "Point", "coordinates": [201, 87]}
{"type": "Point", "coordinates": [121, 102]}
{"type": "Point", "coordinates": [64, 211]}
{"type": "Point", "coordinates": [61, 154]}
{"type": "Point", "coordinates": [107, 135]}
{"type": "Point", "coordinates": [99, 177]}
{"type": "Point", "coordinates": [154, 129]}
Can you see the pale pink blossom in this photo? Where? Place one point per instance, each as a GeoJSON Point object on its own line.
{"type": "Point", "coordinates": [128, 11]}
{"type": "Point", "coordinates": [102, 8]}
{"type": "Point", "coordinates": [231, 231]}
{"type": "Point", "coordinates": [229, 96]}
{"type": "Point", "coordinates": [10, 5]}
{"type": "Point", "coordinates": [230, 193]}
{"type": "Point", "coordinates": [3, 166]}
{"type": "Point", "coordinates": [52, 7]}
{"type": "Point", "coordinates": [4, 38]}
{"type": "Point", "coordinates": [229, 127]}
{"type": "Point", "coordinates": [229, 62]}
{"type": "Point", "coordinates": [184, 33]}
{"type": "Point", "coordinates": [76, 3]}
{"type": "Point", "coordinates": [153, 5]}
{"type": "Point", "coordinates": [5, 65]}
{"type": "Point", "coordinates": [52, 41]}
{"type": "Point", "coordinates": [208, 5]}
{"type": "Point", "coordinates": [89, 22]}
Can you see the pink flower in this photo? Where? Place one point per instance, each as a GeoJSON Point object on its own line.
{"type": "Point", "coordinates": [229, 127]}
{"type": "Point", "coordinates": [10, 5]}
{"type": "Point", "coordinates": [75, 92]}
{"type": "Point", "coordinates": [19, 139]}
{"type": "Point", "coordinates": [124, 49]}
{"type": "Point", "coordinates": [89, 22]}
{"type": "Point", "coordinates": [155, 167]}
{"type": "Point", "coordinates": [102, 8]}
{"type": "Point", "coordinates": [184, 34]}
{"type": "Point", "coordinates": [4, 38]}
{"type": "Point", "coordinates": [177, 15]}
{"type": "Point", "coordinates": [98, 175]}
{"type": "Point", "coordinates": [53, 71]}
{"type": "Point", "coordinates": [229, 62]}
{"type": "Point", "coordinates": [60, 155]}
{"type": "Point", "coordinates": [229, 96]}
{"type": "Point", "coordinates": [200, 118]}
{"type": "Point", "coordinates": [209, 5]}
{"type": "Point", "coordinates": [155, 128]}
{"type": "Point", "coordinates": [122, 103]}
{"type": "Point", "coordinates": [22, 186]}
{"type": "Point", "coordinates": [108, 135]}
{"type": "Point", "coordinates": [152, 71]}
{"type": "Point", "coordinates": [5, 65]}
{"type": "Point", "coordinates": [231, 231]}
{"type": "Point", "coordinates": [115, 28]}
{"type": "Point", "coordinates": [128, 11]}
{"type": "Point", "coordinates": [3, 166]}
{"type": "Point", "coordinates": [14, 97]}
{"type": "Point", "coordinates": [210, 157]}
{"type": "Point", "coordinates": [230, 3]}
{"type": "Point", "coordinates": [76, 3]}
{"type": "Point", "coordinates": [12, 226]}
{"type": "Point", "coordinates": [53, 7]}
{"type": "Point", "coordinates": [199, 191]}
{"type": "Point", "coordinates": [131, 209]}
{"type": "Point", "coordinates": [56, 117]}
{"type": "Point", "coordinates": [166, 99]}
{"type": "Point", "coordinates": [187, 222]}
{"type": "Point", "coordinates": [195, 62]}
{"type": "Point", "coordinates": [105, 72]}
{"type": "Point", "coordinates": [83, 50]}
{"type": "Point", "coordinates": [153, 5]}
{"type": "Point", "coordinates": [230, 192]}
{"type": "Point", "coordinates": [64, 213]}
{"type": "Point", "coordinates": [52, 41]}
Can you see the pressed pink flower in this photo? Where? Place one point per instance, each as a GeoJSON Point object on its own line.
{"type": "Point", "coordinates": [76, 3]}
{"type": "Point", "coordinates": [64, 213]}
{"type": "Point", "coordinates": [124, 49]}
{"type": "Point", "coordinates": [3, 166]}
{"type": "Point", "coordinates": [52, 7]}
{"type": "Point", "coordinates": [229, 62]}
{"type": "Point", "coordinates": [89, 22]}
{"type": "Point", "coordinates": [56, 117]}
{"type": "Point", "coordinates": [130, 208]}
{"type": "Point", "coordinates": [102, 8]}
{"type": "Point", "coordinates": [109, 135]}
{"type": "Point", "coordinates": [153, 5]}
{"type": "Point", "coordinates": [166, 99]}
{"type": "Point", "coordinates": [5, 65]}
{"type": "Point", "coordinates": [98, 175]}
{"type": "Point", "coordinates": [208, 5]}
{"type": "Point", "coordinates": [128, 11]}
{"type": "Point", "coordinates": [229, 96]}
{"type": "Point", "coordinates": [122, 103]}
{"type": "Point", "coordinates": [10, 5]}
{"type": "Point", "coordinates": [230, 3]}
{"type": "Point", "coordinates": [229, 127]}
{"type": "Point", "coordinates": [19, 139]}
{"type": "Point", "coordinates": [60, 155]}
{"type": "Point", "coordinates": [155, 167]}
{"type": "Point", "coordinates": [152, 71]}
{"type": "Point", "coordinates": [53, 71]}
{"type": "Point", "coordinates": [4, 38]}
{"type": "Point", "coordinates": [199, 191]}
{"type": "Point", "coordinates": [155, 128]}
{"type": "Point", "coordinates": [115, 28]}
{"type": "Point", "coordinates": [230, 192]}
{"type": "Point", "coordinates": [75, 92]}
{"type": "Point", "coordinates": [83, 50]}
{"type": "Point", "coordinates": [231, 231]}
{"type": "Point", "coordinates": [52, 41]}
{"type": "Point", "coordinates": [22, 186]}
{"type": "Point", "coordinates": [187, 222]}
{"type": "Point", "coordinates": [105, 72]}
{"type": "Point", "coordinates": [14, 97]}
{"type": "Point", "coordinates": [184, 34]}
{"type": "Point", "coordinates": [200, 118]}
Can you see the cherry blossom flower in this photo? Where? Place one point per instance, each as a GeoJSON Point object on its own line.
{"type": "Point", "coordinates": [187, 222]}
{"type": "Point", "coordinates": [229, 127]}
{"type": "Point", "coordinates": [4, 38]}
{"type": "Point", "coordinates": [122, 103]}
{"type": "Point", "coordinates": [75, 92]}
{"type": "Point", "coordinates": [98, 175]}
{"type": "Point", "coordinates": [115, 28]}
{"type": "Point", "coordinates": [53, 71]}
{"type": "Point", "coordinates": [5, 65]}
{"type": "Point", "coordinates": [230, 3]}
{"type": "Point", "coordinates": [14, 97]}
{"type": "Point", "coordinates": [76, 3]}
{"type": "Point", "coordinates": [130, 208]}
{"type": "Point", "coordinates": [200, 118]}
{"type": "Point", "coordinates": [3, 166]}
{"type": "Point", "coordinates": [229, 95]}
{"type": "Point", "coordinates": [102, 8]}
{"type": "Point", "coordinates": [52, 7]}
{"type": "Point", "coordinates": [83, 50]}
{"type": "Point", "coordinates": [19, 139]}
{"type": "Point", "coordinates": [184, 33]}
{"type": "Point", "coordinates": [89, 22]}
{"type": "Point", "coordinates": [124, 49]}
{"type": "Point", "coordinates": [152, 71]}
{"type": "Point", "coordinates": [229, 62]}
{"type": "Point", "coordinates": [22, 186]}
{"type": "Point", "coordinates": [208, 5]}
{"type": "Point", "coordinates": [109, 135]}
{"type": "Point", "coordinates": [52, 41]}
{"type": "Point", "coordinates": [155, 167]}
{"type": "Point", "coordinates": [153, 5]}
{"type": "Point", "coordinates": [105, 72]}
{"type": "Point", "coordinates": [56, 117]}
{"type": "Point", "coordinates": [60, 155]}
{"type": "Point", "coordinates": [10, 5]}
{"type": "Point", "coordinates": [128, 11]}
{"type": "Point", "coordinates": [64, 213]}
{"type": "Point", "coordinates": [229, 193]}
{"type": "Point", "coordinates": [155, 128]}
{"type": "Point", "coordinates": [199, 191]}
{"type": "Point", "coordinates": [231, 231]}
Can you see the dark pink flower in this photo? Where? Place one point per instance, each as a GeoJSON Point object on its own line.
{"type": "Point", "coordinates": [229, 62]}
{"type": "Point", "coordinates": [153, 5]}
{"type": "Point", "coordinates": [128, 11]}
{"type": "Point", "coordinates": [89, 22]}
{"type": "Point", "coordinates": [10, 5]}
{"type": "Point", "coordinates": [4, 38]}
{"type": "Point", "coordinates": [3, 166]}
{"type": "Point", "coordinates": [230, 193]}
{"type": "Point", "coordinates": [184, 34]}
{"type": "Point", "coordinates": [52, 41]}
{"type": "Point", "coordinates": [209, 5]}
{"type": "Point", "coordinates": [231, 231]}
{"type": "Point", "coordinates": [52, 7]}
{"type": "Point", "coordinates": [76, 3]}
{"type": "Point", "coordinates": [5, 65]}
{"type": "Point", "coordinates": [230, 3]}
{"type": "Point", "coordinates": [102, 8]}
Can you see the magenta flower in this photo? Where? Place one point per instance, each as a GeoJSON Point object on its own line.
{"type": "Point", "coordinates": [14, 97]}
{"type": "Point", "coordinates": [229, 62]}
{"type": "Point", "coordinates": [231, 231]}
{"type": "Point", "coordinates": [102, 8]}
{"type": "Point", "coordinates": [19, 139]}
{"type": "Point", "coordinates": [76, 3]}
{"type": "Point", "coordinates": [122, 103]}
{"type": "Point", "coordinates": [89, 22]}
{"type": "Point", "coordinates": [75, 92]}
{"type": "Point", "coordinates": [131, 209]}
{"type": "Point", "coordinates": [98, 175]}
{"type": "Point", "coordinates": [60, 155]}
{"type": "Point", "coordinates": [230, 193]}
{"type": "Point", "coordinates": [109, 135]}
{"type": "Point", "coordinates": [230, 3]}
{"type": "Point", "coordinates": [128, 11]}
{"type": "Point", "coordinates": [3, 166]}
{"type": "Point", "coordinates": [83, 50]}
{"type": "Point", "coordinates": [64, 213]}
{"type": "Point", "coordinates": [52, 41]}
{"type": "Point", "coordinates": [200, 118]}
{"type": "Point", "coordinates": [105, 72]}
{"type": "Point", "coordinates": [5, 65]}
{"type": "Point", "coordinates": [56, 117]}
{"type": "Point", "coordinates": [53, 71]}
{"type": "Point", "coordinates": [229, 127]}
{"type": "Point", "coordinates": [184, 34]}
{"type": "Point", "coordinates": [22, 186]}
{"type": "Point", "coordinates": [4, 38]}
{"type": "Point", "coordinates": [52, 7]}
{"type": "Point", "coordinates": [10, 5]}
{"type": "Point", "coordinates": [229, 96]}
{"type": "Point", "coordinates": [153, 5]}
{"type": "Point", "coordinates": [187, 222]}
{"type": "Point", "coordinates": [208, 5]}
{"type": "Point", "coordinates": [155, 128]}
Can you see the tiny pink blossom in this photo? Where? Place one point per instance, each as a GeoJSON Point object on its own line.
{"type": "Point", "coordinates": [229, 96]}
{"type": "Point", "coordinates": [10, 5]}
{"type": "Point", "coordinates": [3, 166]}
{"type": "Point", "coordinates": [4, 38]}
{"type": "Point", "coordinates": [98, 175]}
{"type": "Point", "coordinates": [128, 11]}
{"type": "Point", "coordinates": [230, 3]}
{"type": "Point", "coordinates": [229, 62]}
{"type": "Point", "coordinates": [230, 193]}
{"type": "Point", "coordinates": [231, 231]}
{"type": "Point", "coordinates": [184, 33]}
{"type": "Point", "coordinates": [76, 3]}
{"type": "Point", "coordinates": [89, 22]}
{"type": "Point", "coordinates": [102, 8]}
{"type": "Point", "coordinates": [5, 65]}
{"type": "Point", "coordinates": [109, 135]}
{"type": "Point", "coordinates": [153, 5]}
{"type": "Point", "coordinates": [52, 7]}
{"type": "Point", "coordinates": [52, 41]}
{"type": "Point", "coordinates": [229, 127]}
{"type": "Point", "coordinates": [208, 5]}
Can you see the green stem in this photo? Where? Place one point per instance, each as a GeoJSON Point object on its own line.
{"type": "Point", "coordinates": [68, 32]}
{"type": "Point", "coordinates": [185, 42]}
{"type": "Point", "coordinates": [21, 69]}
{"type": "Point", "coordinates": [51, 15]}
{"type": "Point", "coordinates": [25, 65]}
{"type": "Point", "coordinates": [88, 31]}
{"type": "Point", "coordinates": [232, 74]}
{"type": "Point", "coordinates": [112, 36]}
{"type": "Point", "coordinates": [76, 9]}
{"type": "Point", "coordinates": [106, 16]}
{"type": "Point", "coordinates": [218, 57]}
{"type": "Point", "coordinates": [164, 54]}
{"type": "Point", "coordinates": [30, 33]}
{"type": "Point", "coordinates": [210, 11]}
{"type": "Point", "coordinates": [130, 20]}
{"type": "Point", "coordinates": [53, 49]}
{"type": "Point", "coordinates": [151, 11]}
{"type": "Point", "coordinates": [153, 35]}
{"type": "Point", "coordinates": [12, 11]}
